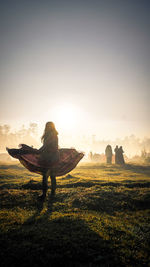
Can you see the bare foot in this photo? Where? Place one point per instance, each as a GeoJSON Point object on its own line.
{"type": "Point", "coordinates": [41, 197]}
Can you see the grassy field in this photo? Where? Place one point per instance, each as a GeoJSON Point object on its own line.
{"type": "Point", "coordinates": [100, 216]}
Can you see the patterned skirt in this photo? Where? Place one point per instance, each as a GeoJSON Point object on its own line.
{"type": "Point", "coordinates": [30, 158]}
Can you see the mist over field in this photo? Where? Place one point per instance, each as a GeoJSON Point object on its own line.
{"type": "Point", "coordinates": [134, 147]}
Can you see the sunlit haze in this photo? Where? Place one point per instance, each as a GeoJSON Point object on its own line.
{"type": "Point", "coordinates": [85, 65]}
{"type": "Point", "coordinates": [67, 117]}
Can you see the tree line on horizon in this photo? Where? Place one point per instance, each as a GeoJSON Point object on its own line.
{"type": "Point", "coordinates": [27, 135]}
{"type": "Point", "coordinates": [30, 135]}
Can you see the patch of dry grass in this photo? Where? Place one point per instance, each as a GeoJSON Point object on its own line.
{"type": "Point", "coordinates": [100, 216]}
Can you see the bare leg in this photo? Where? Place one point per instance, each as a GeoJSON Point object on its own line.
{"type": "Point", "coordinates": [53, 184]}
{"type": "Point", "coordinates": [44, 186]}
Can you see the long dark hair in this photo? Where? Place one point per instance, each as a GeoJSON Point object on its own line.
{"type": "Point", "coordinates": [49, 130]}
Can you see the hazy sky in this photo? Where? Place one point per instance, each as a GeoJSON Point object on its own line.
{"type": "Point", "coordinates": [86, 60]}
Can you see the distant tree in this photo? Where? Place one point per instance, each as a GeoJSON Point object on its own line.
{"type": "Point", "coordinates": [33, 128]}
{"type": "Point", "coordinates": [6, 129]}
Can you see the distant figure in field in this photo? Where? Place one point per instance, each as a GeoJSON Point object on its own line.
{"type": "Point", "coordinates": [120, 155]}
{"type": "Point", "coordinates": [116, 155]}
{"type": "Point", "coordinates": [108, 153]}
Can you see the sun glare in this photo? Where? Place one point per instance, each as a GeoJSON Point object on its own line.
{"type": "Point", "coordinates": [66, 117]}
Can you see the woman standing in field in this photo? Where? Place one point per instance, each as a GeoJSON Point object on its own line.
{"type": "Point", "coordinates": [120, 155]}
{"type": "Point", "coordinates": [119, 158]}
{"type": "Point", "coordinates": [116, 155]}
{"type": "Point", "coordinates": [49, 160]}
{"type": "Point", "coordinates": [108, 153]}
{"type": "Point", "coordinates": [49, 155]}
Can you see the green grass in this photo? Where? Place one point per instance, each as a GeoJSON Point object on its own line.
{"type": "Point", "coordinates": [100, 216]}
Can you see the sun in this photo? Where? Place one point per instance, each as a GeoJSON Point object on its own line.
{"type": "Point", "coordinates": [66, 117]}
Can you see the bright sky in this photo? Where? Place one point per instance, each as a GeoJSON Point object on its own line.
{"type": "Point", "coordinates": [85, 65]}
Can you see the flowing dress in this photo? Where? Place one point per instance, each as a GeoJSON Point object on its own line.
{"type": "Point", "coordinates": [61, 162]}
